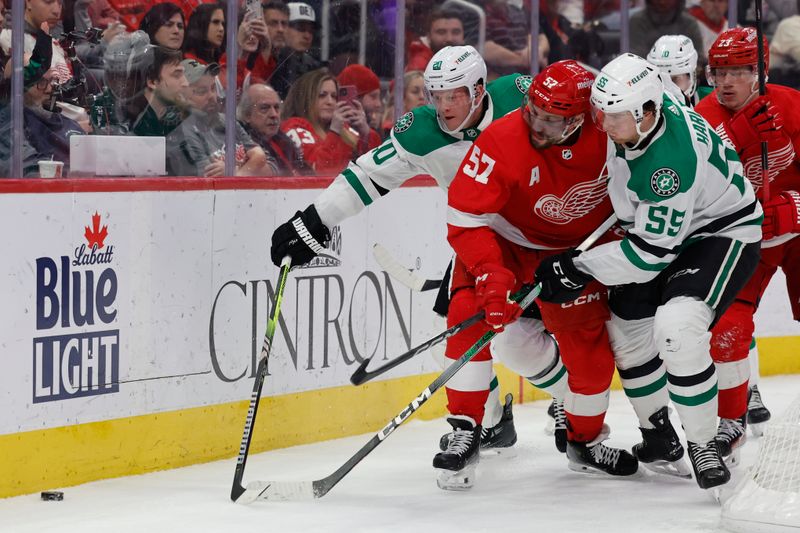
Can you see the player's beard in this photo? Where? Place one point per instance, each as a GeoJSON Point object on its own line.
{"type": "Point", "coordinates": [540, 142]}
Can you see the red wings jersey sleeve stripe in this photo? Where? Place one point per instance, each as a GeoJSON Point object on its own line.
{"type": "Point", "coordinates": [539, 199]}
{"type": "Point", "coordinates": [784, 167]}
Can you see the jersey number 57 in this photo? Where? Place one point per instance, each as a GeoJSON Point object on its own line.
{"type": "Point", "coordinates": [478, 165]}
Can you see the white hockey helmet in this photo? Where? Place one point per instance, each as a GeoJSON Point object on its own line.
{"type": "Point", "coordinates": [674, 55]}
{"type": "Point", "coordinates": [627, 83]}
{"type": "Point", "coordinates": [453, 67]}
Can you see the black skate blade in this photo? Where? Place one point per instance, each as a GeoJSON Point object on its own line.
{"type": "Point", "coordinates": [591, 471]}
{"type": "Point", "coordinates": [677, 468]}
{"type": "Point", "coordinates": [456, 480]}
{"type": "Point", "coordinates": [508, 452]}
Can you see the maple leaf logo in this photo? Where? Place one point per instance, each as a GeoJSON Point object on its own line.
{"type": "Point", "coordinates": [95, 235]}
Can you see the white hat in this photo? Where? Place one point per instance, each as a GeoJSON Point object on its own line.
{"type": "Point", "coordinates": [301, 12]}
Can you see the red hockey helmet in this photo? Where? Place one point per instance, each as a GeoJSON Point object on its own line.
{"type": "Point", "coordinates": [737, 47]}
{"type": "Point", "coordinates": [562, 88]}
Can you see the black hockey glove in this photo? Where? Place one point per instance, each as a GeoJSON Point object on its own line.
{"type": "Point", "coordinates": [302, 238]}
{"type": "Point", "coordinates": [561, 281]}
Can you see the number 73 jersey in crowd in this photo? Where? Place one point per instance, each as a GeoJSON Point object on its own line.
{"type": "Point", "coordinates": [548, 199]}
{"type": "Point", "coordinates": [685, 185]}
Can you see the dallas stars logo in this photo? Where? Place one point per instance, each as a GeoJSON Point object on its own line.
{"type": "Point", "coordinates": [665, 182]}
{"type": "Point", "coordinates": [404, 122]}
{"type": "Point", "coordinates": [523, 83]}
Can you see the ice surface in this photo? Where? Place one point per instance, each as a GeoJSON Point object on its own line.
{"type": "Point", "coordinates": [394, 489]}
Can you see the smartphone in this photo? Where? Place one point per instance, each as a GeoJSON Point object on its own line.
{"type": "Point", "coordinates": [348, 93]}
{"type": "Point", "coordinates": [253, 10]}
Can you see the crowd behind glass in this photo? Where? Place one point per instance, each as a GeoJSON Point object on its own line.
{"type": "Point", "coordinates": [153, 69]}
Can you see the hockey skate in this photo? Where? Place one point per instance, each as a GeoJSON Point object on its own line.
{"type": "Point", "coordinates": [557, 424]}
{"type": "Point", "coordinates": [661, 450]}
{"type": "Point", "coordinates": [496, 439]}
{"type": "Point", "coordinates": [596, 458]}
{"type": "Point", "coordinates": [731, 435]}
{"type": "Point", "coordinates": [757, 413]}
{"type": "Point", "coordinates": [710, 471]}
{"type": "Point", "coordinates": [456, 464]}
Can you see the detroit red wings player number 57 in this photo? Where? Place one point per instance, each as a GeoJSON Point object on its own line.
{"type": "Point", "coordinates": [533, 185]}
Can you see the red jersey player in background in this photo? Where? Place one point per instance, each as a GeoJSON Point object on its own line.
{"type": "Point", "coordinates": [534, 184]}
{"type": "Point", "coordinates": [746, 119]}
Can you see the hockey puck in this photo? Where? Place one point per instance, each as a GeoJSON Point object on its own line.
{"type": "Point", "coordinates": [52, 496]}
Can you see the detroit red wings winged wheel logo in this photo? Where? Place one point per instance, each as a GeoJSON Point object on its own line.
{"type": "Point", "coordinates": [576, 202]}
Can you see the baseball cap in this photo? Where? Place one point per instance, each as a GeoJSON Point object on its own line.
{"type": "Point", "coordinates": [363, 78]}
{"type": "Point", "coordinates": [195, 70]}
{"type": "Point", "coordinates": [301, 12]}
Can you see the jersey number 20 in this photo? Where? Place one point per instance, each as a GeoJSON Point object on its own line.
{"type": "Point", "coordinates": [474, 166]}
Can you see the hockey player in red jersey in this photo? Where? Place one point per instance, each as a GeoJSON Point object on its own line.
{"type": "Point", "coordinates": [740, 115]}
{"type": "Point", "coordinates": [532, 185]}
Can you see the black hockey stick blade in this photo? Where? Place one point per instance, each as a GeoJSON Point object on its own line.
{"type": "Point", "coordinates": [304, 490]}
{"type": "Point", "coordinates": [237, 490]}
{"type": "Point", "coordinates": [362, 375]}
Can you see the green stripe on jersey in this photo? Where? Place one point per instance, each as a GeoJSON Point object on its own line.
{"type": "Point", "coordinates": [693, 401]}
{"type": "Point", "coordinates": [357, 186]}
{"type": "Point", "coordinates": [553, 381]}
{"type": "Point", "coordinates": [646, 390]}
{"type": "Point", "coordinates": [633, 257]}
{"type": "Point", "coordinates": [734, 251]}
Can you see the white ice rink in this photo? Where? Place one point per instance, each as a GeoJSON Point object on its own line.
{"type": "Point", "coordinates": [394, 490]}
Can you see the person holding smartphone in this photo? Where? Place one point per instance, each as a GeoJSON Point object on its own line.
{"type": "Point", "coordinates": [362, 88]}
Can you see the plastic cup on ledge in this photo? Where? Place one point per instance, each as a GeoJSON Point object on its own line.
{"type": "Point", "coordinates": [51, 169]}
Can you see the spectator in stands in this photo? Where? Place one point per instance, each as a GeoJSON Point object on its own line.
{"type": "Point", "coordinates": [259, 112]}
{"type": "Point", "coordinates": [294, 60]}
{"type": "Point", "coordinates": [302, 25]}
{"type": "Point", "coordinates": [164, 92]}
{"type": "Point", "coordinates": [205, 34]}
{"type": "Point", "coordinates": [507, 47]}
{"type": "Point", "coordinates": [330, 133]}
{"type": "Point", "coordinates": [198, 145]}
{"type": "Point", "coordinates": [47, 132]}
{"type": "Point", "coordinates": [413, 97]}
{"type": "Point", "coordinates": [784, 50]}
{"type": "Point", "coordinates": [205, 43]}
{"type": "Point", "coordinates": [276, 16]}
{"type": "Point", "coordinates": [368, 88]}
{"type": "Point", "coordinates": [164, 25]}
{"type": "Point", "coordinates": [38, 12]}
{"type": "Point", "coordinates": [663, 17]}
{"type": "Point", "coordinates": [94, 14]}
{"type": "Point", "coordinates": [712, 19]}
{"type": "Point", "coordinates": [127, 65]}
{"type": "Point", "coordinates": [445, 28]}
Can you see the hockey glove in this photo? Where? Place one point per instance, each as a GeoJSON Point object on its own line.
{"type": "Point", "coordinates": [756, 122]}
{"type": "Point", "coordinates": [781, 215]}
{"type": "Point", "coordinates": [492, 289]}
{"type": "Point", "coordinates": [561, 280]}
{"type": "Point", "coordinates": [302, 238]}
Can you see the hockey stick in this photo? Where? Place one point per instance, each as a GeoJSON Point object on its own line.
{"type": "Point", "coordinates": [405, 276]}
{"type": "Point", "coordinates": [362, 375]}
{"type": "Point", "coordinates": [762, 90]}
{"type": "Point", "coordinates": [261, 372]}
{"type": "Point", "coordinates": [305, 490]}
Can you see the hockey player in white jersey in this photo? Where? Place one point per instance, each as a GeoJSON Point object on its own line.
{"type": "Point", "coordinates": [428, 140]}
{"type": "Point", "coordinates": [692, 241]}
{"type": "Point", "coordinates": [676, 57]}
